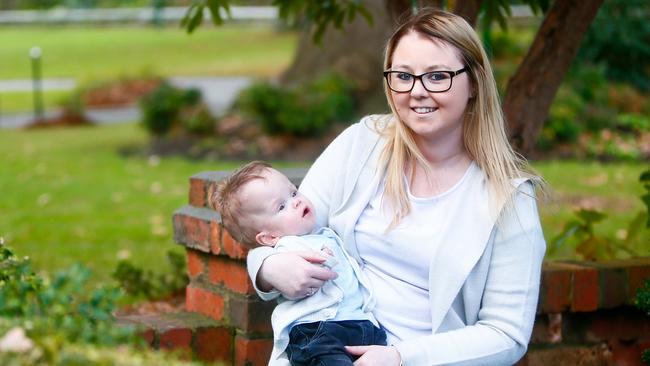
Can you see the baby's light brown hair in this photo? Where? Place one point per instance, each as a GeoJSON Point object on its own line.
{"type": "Point", "coordinates": [225, 199]}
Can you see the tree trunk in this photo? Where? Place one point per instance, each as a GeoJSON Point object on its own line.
{"type": "Point", "coordinates": [354, 51]}
{"type": "Point", "coordinates": [467, 9]}
{"type": "Point", "coordinates": [532, 88]}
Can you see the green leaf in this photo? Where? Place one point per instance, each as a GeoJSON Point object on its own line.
{"type": "Point", "coordinates": [590, 216]}
{"type": "Point", "coordinates": [193, 17]}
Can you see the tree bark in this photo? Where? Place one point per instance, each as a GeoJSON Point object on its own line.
{"type": "Point", "coordinates": [531, 89]}
{"type": "Point", "coordinates": [468, 9]}
{"type": "Point", "coordinates": [354, 52]}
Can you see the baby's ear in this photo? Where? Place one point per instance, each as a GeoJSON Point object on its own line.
{"type": "Point", "coordinates": [266, 238]}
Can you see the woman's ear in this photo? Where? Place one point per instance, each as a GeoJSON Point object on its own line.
{"type": "Point", "coordinates": [267, 239]}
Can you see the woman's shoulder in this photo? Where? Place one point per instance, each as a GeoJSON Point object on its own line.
{"type": "Point", "coordinates": [364, 133]}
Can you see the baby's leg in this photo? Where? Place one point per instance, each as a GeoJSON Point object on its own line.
{"type": "Point", "coordinates": [323, 343]}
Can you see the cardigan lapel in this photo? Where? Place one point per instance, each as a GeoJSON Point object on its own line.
{"type": "Point", "coordinates": [460, 249]}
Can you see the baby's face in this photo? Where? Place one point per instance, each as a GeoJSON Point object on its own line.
{"type": "Point", "coordinates": [274, 205]}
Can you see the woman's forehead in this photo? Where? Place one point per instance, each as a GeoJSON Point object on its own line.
{"type": "Point", "coordinates": [415, 45]}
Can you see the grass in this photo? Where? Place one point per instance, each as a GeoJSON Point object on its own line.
{"type": "Point", "coordinates": [612, 188]}
{"type": "Point", "coordinates": [102, 53]}
{"type": "Point", "coordinates": [70, 196]}
{"type": "Point", "coordinates": [14, 102]}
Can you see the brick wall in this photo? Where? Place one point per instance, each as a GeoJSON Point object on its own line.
{"type": "Point", "coordinates": [585, 314]}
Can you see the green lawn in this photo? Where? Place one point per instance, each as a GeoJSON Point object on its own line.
{"type": "Point", "coordinates": [68, 195]}
{"type": "Point", "coordinates": [613, 188]}
{"type": "Point", "coordinates": [101, 53]}
{"type": "Point", "coordinates": [13, 102]}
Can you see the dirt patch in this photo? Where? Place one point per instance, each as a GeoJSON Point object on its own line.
{"type": "Point", "coordinates": [172, 304]}
{"type": "Point", "coordinates": [118, 93]}
{"type": "Point", "coordinates": [236, 139]}
{"type": "Point", "coordinates": [64, 119]}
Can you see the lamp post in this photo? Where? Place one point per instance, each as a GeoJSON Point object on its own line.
{"type": "Point", "coordinates": [35, 56]}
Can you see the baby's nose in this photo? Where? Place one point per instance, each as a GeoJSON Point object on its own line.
{"type": "Point", "coordinates": [296, 202]}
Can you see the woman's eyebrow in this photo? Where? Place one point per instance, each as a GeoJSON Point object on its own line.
{"type": "Point", "coordinates": [427, 69]}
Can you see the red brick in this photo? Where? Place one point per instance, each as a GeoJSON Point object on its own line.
{"type": "Point", "coordinates": [149, 336]}
{"type": "Point", "coordinates": [547, 329]}
{"type": "Point", "coordinates": [555, 291]}
{"type": "Point", "coordinates": [250, 314]}
{"type": "Point", "coordinates": [585, 292]}
{"type": "Point", "coordinates": [231, 274]}
{"type": "Point", "coordinates": [625, 353]}
{"type": "Point", "coordinates": [637, 275]}
{"type": "Point", "coordinates": [215, 238]}
{"type": "Point", "coordinates": [197, 192]}
{"type": "Point", "coordinates": [205, 302]}
{"type": "Point", "coordinates": [197, 233]}
{"type": "Point", "coordinates": [613, 287]}
{"type": "Point", "coordinates": [579, 355]}
{"type": "Point", "coordinates": [176, 338]}
{"type": "Point", "coordinates": [252, 352]}
{"type": "Point", "coordinates": [232, 247]}
{"type": "Point", "coordinates": [622, 323]}
{"type": "Point", "coordinates": [214, 344]}
{"type": "Point", "coordinates": [195, 265]}
{"type": "Point", "coordinates": [179, 228]}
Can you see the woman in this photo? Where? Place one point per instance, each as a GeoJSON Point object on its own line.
{"type": "Point", "coordinates": [434, 205]}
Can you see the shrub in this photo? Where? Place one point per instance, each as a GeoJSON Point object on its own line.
{"type": "Point", "coordinates": [168, 107]}
{"type": "Point", "coordinates": [581, 237]}
{"type": "Point", "coordinates": [61, 321]}
{"type": "Point", "coordinates": [138, 282]}
{"type": "Point", "coordinates": [304, 110]}
{"type": "Point", "coordinates": [619, 38]}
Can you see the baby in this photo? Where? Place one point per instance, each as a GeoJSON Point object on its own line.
{"type": "Point", "coordinates": [259, 206]}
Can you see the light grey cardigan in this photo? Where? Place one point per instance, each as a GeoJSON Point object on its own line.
{"type": "Point", "coordinates": [483, 281]}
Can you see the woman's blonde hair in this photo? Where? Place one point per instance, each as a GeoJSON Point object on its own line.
{"type": "Point", "coordinates": [484, 134]}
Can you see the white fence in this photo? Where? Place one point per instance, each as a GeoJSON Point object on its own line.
{"type": "Point", "coordinates": [129, 15]}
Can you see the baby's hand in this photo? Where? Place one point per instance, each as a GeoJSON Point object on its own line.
{"type": "Point", "coordinates": [329, 254]}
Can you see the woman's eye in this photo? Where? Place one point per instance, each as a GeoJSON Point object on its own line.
{"type": "Point", "coordinates": [404, 76]}
{"type": "Point", "coordinates": [437, 76]}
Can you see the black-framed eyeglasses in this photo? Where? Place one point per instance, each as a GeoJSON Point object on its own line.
{"type": "Point", "coordinates": [434, 81]}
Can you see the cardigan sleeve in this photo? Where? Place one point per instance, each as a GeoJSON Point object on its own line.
{"type": "Point", "coordinates": [509, 302]}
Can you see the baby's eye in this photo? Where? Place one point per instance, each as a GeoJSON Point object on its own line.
{"type": "Point", "coordinates": [294, 193]}
{"type": "Point", "coordinates": [281, 207]}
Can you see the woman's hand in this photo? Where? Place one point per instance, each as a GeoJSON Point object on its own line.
{"type": "Point", "coordinates": [294, 274]}
{"type": "Point", "coordinates": [375, 355]}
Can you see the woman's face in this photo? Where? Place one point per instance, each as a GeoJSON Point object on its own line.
{"type": "Point", "coordinates": [432, 116]}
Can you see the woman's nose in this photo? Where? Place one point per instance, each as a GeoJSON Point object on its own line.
{"type": "Point", "coordinates": [418, 89]}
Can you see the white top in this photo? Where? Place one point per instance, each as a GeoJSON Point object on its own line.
{"type": "Point", "coordinates": [406, 276]}
{"type": "Point", "coordinates": [484, 278]}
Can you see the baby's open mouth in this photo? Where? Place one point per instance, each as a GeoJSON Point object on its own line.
{"type": "Point", "coordinates": [305, 212]}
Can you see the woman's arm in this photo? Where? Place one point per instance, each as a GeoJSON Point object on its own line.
{"type": "Point", "coordinates": [293, 273]}
{"type": "Point", "coordinates": [509, 301]}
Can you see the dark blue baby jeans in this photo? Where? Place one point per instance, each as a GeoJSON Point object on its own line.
{"type": "Point", "coordinates": [322, 343]}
